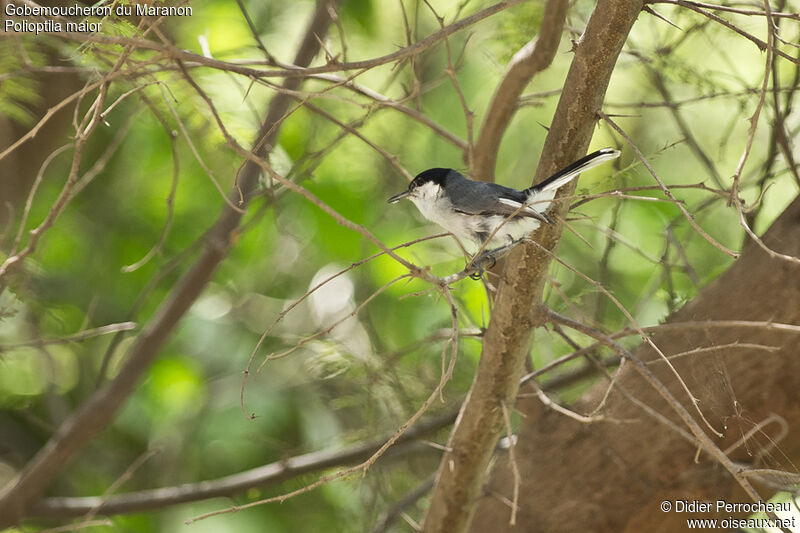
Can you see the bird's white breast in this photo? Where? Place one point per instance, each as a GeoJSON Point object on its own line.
{"type": "Point", "coordinates": [437, 208]}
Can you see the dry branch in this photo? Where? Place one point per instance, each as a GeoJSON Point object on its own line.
{"type": "Point", "coordinates": [100, 408]}
{"type": "Point", "coordinates": [75, 337]}
{"type": "Point", "coordinates": [270, 474]}
{"type": "Point", "coordinates": [507, 340]}
{"type": "Point", "coordinates": [235, 484]}
{"type": "Point", "coordinates": [297, 69]}
{"type": "Point", "coordinates": [532, 58]}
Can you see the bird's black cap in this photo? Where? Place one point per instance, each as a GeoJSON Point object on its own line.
{"type": "Point", "coordinates": [434, 175]}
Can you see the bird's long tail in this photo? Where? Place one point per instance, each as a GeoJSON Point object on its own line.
{"type": "Point", "coordinates": [568, 173]}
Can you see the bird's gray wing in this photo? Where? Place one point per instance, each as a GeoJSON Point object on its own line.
{"type": "Point", "coordinates": [489, 199]}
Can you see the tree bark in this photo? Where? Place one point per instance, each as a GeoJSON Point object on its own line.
{"type": "Point", "coordinates": [613, 476]}
{"type": "Point", "coordinates": [507, 340]}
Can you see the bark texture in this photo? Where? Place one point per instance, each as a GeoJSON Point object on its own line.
{"type": "Point", "coordinates": [507, 340]}
{"type": "Point", "coordinates": [612, 476]}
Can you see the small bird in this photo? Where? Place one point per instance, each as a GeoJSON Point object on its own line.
{"type": "Point", "coordinates": [486, 214]}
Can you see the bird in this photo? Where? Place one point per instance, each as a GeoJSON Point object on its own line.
{"type": "Point", "coordinates": [489, 216]}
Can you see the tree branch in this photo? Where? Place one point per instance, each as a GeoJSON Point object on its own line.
{"type": "Point", "coordinates": [296, 70]}
{"type": "Point", "coordinates": [534, 57]}
{"type": "Point", "coordinates": [272, 473]}
{"type": "Point", "coordinates": [75, 337]}
{"type": "Point", "coordinates": [507, 340]}
{"type": "Point", "coordinates": [100, 408]}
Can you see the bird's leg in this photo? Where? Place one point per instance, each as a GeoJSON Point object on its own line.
{"type": "Point", "coordinates": [481, 263]}
{"type": "Point", "coordinates": [488, 258]}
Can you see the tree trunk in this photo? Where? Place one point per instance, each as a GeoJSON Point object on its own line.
{"type": "Point", "coordinates": [516, 311]}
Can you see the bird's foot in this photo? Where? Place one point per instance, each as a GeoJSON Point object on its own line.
{"type": "Point", "coordinates": [488, 259]}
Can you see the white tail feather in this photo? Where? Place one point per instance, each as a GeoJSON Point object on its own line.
{"type": "Point", "coordinates": [597, 158]}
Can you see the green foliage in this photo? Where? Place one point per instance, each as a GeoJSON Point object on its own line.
{"type": "Point", "coordinates": [361, 11]}
{"type": "Point", "coordinates": [18, 92]}
{"type": "Point", "coordinates": [514, 32]}
{"type": "Point", "coordinates": [364, 377]}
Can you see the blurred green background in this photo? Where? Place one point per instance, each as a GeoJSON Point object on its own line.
{"type": "Point", "coordinates": [368, 375]}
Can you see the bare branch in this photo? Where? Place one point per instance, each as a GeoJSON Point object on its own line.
{"type": "Point", "coordinates": [296, 70]}
{"type": "Point", "coordinates": [762, 96]}
{"type": "Point", "coordinates": [666, 190]}
{"type": "Point", "coordinates": [728, 9]}
{"type": "Point", "coordinates": [83, 132]}
{"type": "Point", "coordinates": [32, 194]}
{"type": "Point", "coordinates": [385, 101]}
{"type": "Point", "coordinates": [506, 342]}
{"type": "Point", "coordinates": [703, 439]}
{"type": "Point", "coordinates": [532, 58]}
{"type": "Point", "coordinates": [101, 407]}
{"type": "Point", "coordinates": [232, 485]}
{"type": "Point", "coordinates": [78, 95]}
{"type": "Point", "coordinates": [76, 337]}
{"type": "Point", "coordinates": [694, 6]}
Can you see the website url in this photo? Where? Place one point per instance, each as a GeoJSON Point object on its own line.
{"type": "Point", "coordinates": [732, 523]}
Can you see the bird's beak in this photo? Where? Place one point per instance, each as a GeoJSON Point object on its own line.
{"type": "Point", "coordinates": [398, 197]}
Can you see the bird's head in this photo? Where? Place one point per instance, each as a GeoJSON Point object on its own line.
{"type": "Point", "coordinates": [428, 183]}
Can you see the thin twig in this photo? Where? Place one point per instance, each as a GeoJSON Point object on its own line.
{"type": "Point", "coordinates": [716, 18]}
{"type": "Point", "coordinates": [272, 473]}
{"type": "Point", "coordinates": [75, 337]}
{"type": "Point", "coordinates": [301, 299]}
{"type": "Point", "coordinates": [289, 71]}
{"type": "Point", "coordinates": [32, 193]}
{"type": "Point", "coordinates": [666, 190]}
{"type": "Point", "coordinates": [762, 96]}
{"type": "Point", "coordinates": [728, 9]}
{"type": "Point", "coordinates": [512, 521]}
{"type": "Point", "coordinates": [367, 464]}
{"type": "Point", "coordinates": [703, 439]}
{"type": "Point", "coordinates": [302, 342]}
{"type": "Point", "coordinates": [391, 515]}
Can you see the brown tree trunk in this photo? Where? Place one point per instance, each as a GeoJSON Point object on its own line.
{"type": "Point", "coordinates": [516, 313]}
{"type": "Point", "coordinates": [613, 475]}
